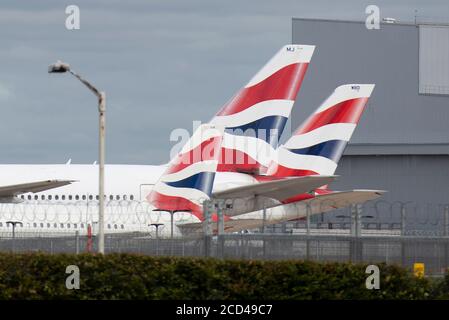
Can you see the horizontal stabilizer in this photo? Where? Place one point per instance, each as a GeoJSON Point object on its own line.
{"type": "Point", "coordinates": [339, 199]}
{"type": "Point", "coordinates": [276, 189]}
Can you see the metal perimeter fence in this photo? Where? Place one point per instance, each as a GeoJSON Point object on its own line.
{"type": "Point", "coordinates": [400, 250]}
{"type": "Point", "coordinates": [375, 232]}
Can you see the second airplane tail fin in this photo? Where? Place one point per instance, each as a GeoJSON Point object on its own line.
{"type": "Point", "coordinates": [317, 145]}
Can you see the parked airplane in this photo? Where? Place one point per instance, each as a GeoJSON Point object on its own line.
{"type": "Point", "coordinates": [312, 152]}
{"type": "Point", "coordinates": [52, 199]}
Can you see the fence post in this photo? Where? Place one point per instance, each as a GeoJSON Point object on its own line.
{"type": "Point", "coordinates": [308, 209]}
{"type": "Point", "coordinates": [207, 231]}
{"type": "Point", "coordinates": [264, 213]}
{"type": "Point", "coordinates": [446, 235]}
{"type": "Point", "coordinates": [352, 238]}
{"type": "Point", "coordinates": [403, 241]}
{"type": "Point", "coordinates": [356, 248]}
{"type": "Point", "coordinates": [359, 239]}
{"type": "Point", "coordinates": [264, 217]}
{"type": "Point", "coordinates": [353, 220]}
{"type": "Point", "coordinates": [403, 212]}
{"type": "Point", "coordinates": [446, 220]}
{"type": "Point", "coordinates": [77, 242]}
{"type": "Point", "coordinates": [220, 229]}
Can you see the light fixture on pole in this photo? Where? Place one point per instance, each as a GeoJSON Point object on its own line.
{"type": "Point", "coordinates": [61, 67]}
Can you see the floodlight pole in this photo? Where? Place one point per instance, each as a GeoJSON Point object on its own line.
{"type": "Point", "coordinates": [61, 67]}
{"type": "Point", "coordinates": [102, 124]}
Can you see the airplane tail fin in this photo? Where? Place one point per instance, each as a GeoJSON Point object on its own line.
{"type": "Point", "coordinates": [256, 116]}
{"type": "Point", "coordinates": [189, 178]}
{"type": "Point", "coordinates": [317, 145]}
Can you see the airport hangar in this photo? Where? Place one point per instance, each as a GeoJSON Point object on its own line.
{"type": "Point", "coordinates": [402, 141]}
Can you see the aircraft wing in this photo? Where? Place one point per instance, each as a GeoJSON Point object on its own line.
{"type": "Point", "coordinates": [340, 199]}
{"type": "Point", "coordinates": [318, 204]}
{"type": "Point", "coordinates": [13, 190]}
{"type": "Point", "coordinates": [276, 189]}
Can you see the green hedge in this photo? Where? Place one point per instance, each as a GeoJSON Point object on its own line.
{"type": "Point", "coordinates": [126, 276]}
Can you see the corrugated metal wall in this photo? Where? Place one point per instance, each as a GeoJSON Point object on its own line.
{"type": "Point", "coordinates": [349, 53]}
{"type": "Point", "coordinates": [407, 178]}
{"type": "Point", "coordinates": [433, 59]}
{"type": "Point", "coordinates": [420, 183]}
{"type": "Point", "coordinates": [397, 114]}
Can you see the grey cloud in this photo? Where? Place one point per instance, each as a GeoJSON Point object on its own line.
{"type": "Point", "coordinates": [162, 63]}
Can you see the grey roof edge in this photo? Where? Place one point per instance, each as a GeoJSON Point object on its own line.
{"type": "Point", "coordinates": [399, 23]}
{"type": "Point", "coordinates": [412, 24]}
{"type": "Point", "coordinates": [397, 149]}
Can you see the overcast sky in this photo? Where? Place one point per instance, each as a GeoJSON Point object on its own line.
{"type": "Point", "coordinates": [162, 64]}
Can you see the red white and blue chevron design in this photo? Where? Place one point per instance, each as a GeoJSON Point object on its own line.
{"type": "Point", "coordinates": [189, 178]}
{"type": "Point", "coordinates": [256, 116]}
{"type": "Point", "coordinates": [317, 145]}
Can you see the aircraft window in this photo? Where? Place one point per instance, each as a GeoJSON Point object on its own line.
{"type": "Point", "coordinates": [63, 197]}
{"type": "Point", "coordinates": [68, 225]}
{"type": "Point", "coordinates": [77, 197]}
{"type": "Point", "coordinates": [124, 197]}
{"type": "Point", "coordinates": [42, 225]}
{"type": "Point", "coordinates": [115, 226]}
{"type": "Point", "coordinates": [122, 226]}
{"type": "Point", "coordinates": [29, 197]}
{"type": "Point", "coordinates": [117, 197]}
{"type": "Point", "coordinates": [43, 197]}
{"type": "Point", "coordinates": [97, 197]}
{"type": "Point", "coordinates": [49, 197]}
{"type": "Point", "coordinates": [131, 197]}
{"type": "Point", "coordinates": [75, 225]}
{"type": "Point", "coordinates": [1, 224]}
{"type": "Point", "coordinates": [111, 197]}
{"type": "Point", "coordinates": [35, 225]}
{"type": "Point", "coordinates": [84, 197]}
{"type": "Point", "coordinates": [56, 197]}
{"type": "Point", "coordinates": [36, 197]}
{"type": "Point", "coordinates": [62, 225]}
{"type": "Point", "coordinates": [109, 226]}
{"type": "Point", "coordinates": [48, 225]}
{"type": "Point", "coordinates": [91, 197]}
{"type": "Point", "coordinates": [55, 225]}
{"type": "Point", "coordinates": [70, 197]}
{"type": "Point", "coordinates": [22, 196]}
